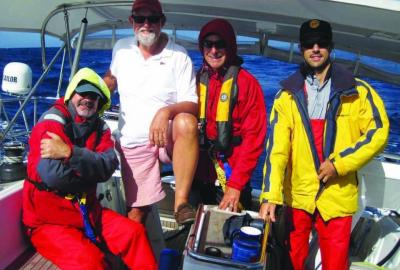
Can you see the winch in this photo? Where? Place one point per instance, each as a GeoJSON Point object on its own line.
{"type": "Point", "coordinates": [13, 167]}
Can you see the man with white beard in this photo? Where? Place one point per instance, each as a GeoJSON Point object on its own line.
{"type": "Point", "coordinates": [157, 122]}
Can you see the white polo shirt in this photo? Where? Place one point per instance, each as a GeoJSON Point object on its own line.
{"type": "Point", "coordinates": [145, 86]}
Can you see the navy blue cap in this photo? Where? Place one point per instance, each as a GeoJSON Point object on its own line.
{"type": "Point", "coordinates": [315, 30]}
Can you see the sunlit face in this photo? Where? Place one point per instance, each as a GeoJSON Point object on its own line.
{"type": "Point", "coordinates": [215, 57]}
{"type": "Point", "coordinates": [316, 57]}
{"type": "Point", "coordinates": [85, 104]}
{"type": "Point", "coordinates": [147, 32]}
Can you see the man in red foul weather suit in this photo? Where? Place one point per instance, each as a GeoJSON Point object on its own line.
{"type": "Point", "coordinates": [232, 120]}
{"type": "Point", "coordinates": [71, 150]}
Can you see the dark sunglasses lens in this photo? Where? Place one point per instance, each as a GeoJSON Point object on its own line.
{"type": "Point", "coordinates": [153, 19]}
{"type": "Point", "coordinates": [207, 44]}
{"type": "Point", "coordinates": [324, 44]}
{"type": "Point", "coordinates": [307, 45]}
{"type": "Point", "coordinates": [142, 19]}
{"type": "Point", "coordinates": [220, 44]}
{"type": "Point", "coordinates": [321, 44]}
{"type": "Point", "coordinates": [139, 19]}
{"type": "Point", "coordinates": [91, 95]}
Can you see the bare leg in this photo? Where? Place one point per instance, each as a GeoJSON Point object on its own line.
{"type": "Point", "coordinates": [185, 155]}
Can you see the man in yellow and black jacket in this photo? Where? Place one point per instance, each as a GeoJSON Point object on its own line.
{"type": "Point", "coordinates": [325, 124]}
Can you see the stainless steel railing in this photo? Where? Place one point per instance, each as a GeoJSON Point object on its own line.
{"type": "Point", "coordinates": [28, 115]}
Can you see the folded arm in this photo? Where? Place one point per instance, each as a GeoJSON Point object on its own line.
{"type": "Point", "coordinates": [70, 168]}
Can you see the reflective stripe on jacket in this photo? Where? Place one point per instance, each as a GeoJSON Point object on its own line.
{"type": "Point", "coordinates": [356, 129]}
{"type": "Point", "coordinates": [93, 162]}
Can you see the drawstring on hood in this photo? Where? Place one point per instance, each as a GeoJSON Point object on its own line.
{"type": "Point", "coordinates": [224, 30]}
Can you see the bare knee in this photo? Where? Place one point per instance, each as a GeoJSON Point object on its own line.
{"type": "Point", "coordinates": [185, 124]}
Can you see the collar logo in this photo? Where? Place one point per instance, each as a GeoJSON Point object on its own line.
{"type": "Point", "coordinates": [224, 97]}
{"type": "Point", "coordinates": [314, 24]}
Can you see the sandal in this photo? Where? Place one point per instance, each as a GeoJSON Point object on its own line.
{"type": "Point", "coordinates": [185, 214]}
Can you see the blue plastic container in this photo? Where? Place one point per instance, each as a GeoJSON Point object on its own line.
{"type": "Point", "coordinates": [169, 259]}
{"type": "Point", "coordinates": [246, 246]}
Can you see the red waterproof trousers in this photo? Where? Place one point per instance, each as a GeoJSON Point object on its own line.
{"type": "Point", "coordinates": [333, 236]}
{"type": "Point", "coordinates": [69, 248]}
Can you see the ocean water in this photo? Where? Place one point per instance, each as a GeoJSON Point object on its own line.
{"type": "Point", "coordinates": [269, 72]}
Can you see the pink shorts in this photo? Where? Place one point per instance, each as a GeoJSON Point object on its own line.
{"type": "Point", "coordinates": [140, 170]}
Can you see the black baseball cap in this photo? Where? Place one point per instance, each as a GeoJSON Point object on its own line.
{"type": "Point", "coordinates": [314, 31]}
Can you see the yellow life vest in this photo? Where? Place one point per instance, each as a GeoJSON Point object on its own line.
{"type": "Point", "coordinates": [226, 102]}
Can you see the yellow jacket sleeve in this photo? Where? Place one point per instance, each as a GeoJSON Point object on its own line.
{"type": "Point", "coordinates": [277, 149]}
{"type": "Point", "coordinates": [373, 125]}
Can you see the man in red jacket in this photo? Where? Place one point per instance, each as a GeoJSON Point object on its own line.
{"type": "Point", "coordinates": [71, 150]}
{"type": "Point", "coordinates": [232, 119]}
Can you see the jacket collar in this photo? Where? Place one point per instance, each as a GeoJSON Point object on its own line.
{"type": "Point", "coordinates": [341, 80]}
{"type": "Point", "coordinates": [60, 105]}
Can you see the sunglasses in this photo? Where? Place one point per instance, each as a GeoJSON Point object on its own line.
{"type": "Point", "coordinates": [219, 44]}
{"type": "Point", "coordinates": [89, 94]}
{"type": "Point", "coordinates": [150, 19]}
{"type": "Point", "coordinates": [322, 44]}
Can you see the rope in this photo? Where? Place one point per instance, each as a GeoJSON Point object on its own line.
{"type": "Point", "coordinates": [13, 153]}
{"type": "Point", "coordinates": [12, 160]}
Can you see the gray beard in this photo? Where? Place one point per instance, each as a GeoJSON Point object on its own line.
{"type": "Point", "coordinates": [74, 112]}
{"type": "Point", "coordinates": [147, 40]}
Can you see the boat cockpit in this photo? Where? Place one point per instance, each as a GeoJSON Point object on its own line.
{"type": "Point", "coordinates": [367, 29]}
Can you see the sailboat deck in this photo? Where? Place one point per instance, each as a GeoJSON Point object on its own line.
{"type": "Point", "coordinates": [37, 262]}
{"type": "Point", "coordinates": [31, 260]}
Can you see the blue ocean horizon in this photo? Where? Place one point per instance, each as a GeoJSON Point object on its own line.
{"type": "Point", "coordinates": [269, 73]}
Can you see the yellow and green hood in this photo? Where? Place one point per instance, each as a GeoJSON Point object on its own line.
{"type": "Point", "coordinates": [87, 74]}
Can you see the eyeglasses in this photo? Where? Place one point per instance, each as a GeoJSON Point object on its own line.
{"type": "Point", "coordinates": [150, 19]}
{"type": "Point", "coordinates": [322, 44]}
{"type": "Point", "coordinates": [219, 44]}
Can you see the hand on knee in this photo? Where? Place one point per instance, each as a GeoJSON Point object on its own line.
{"type": "Point", "coordinates": [138, 214]}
